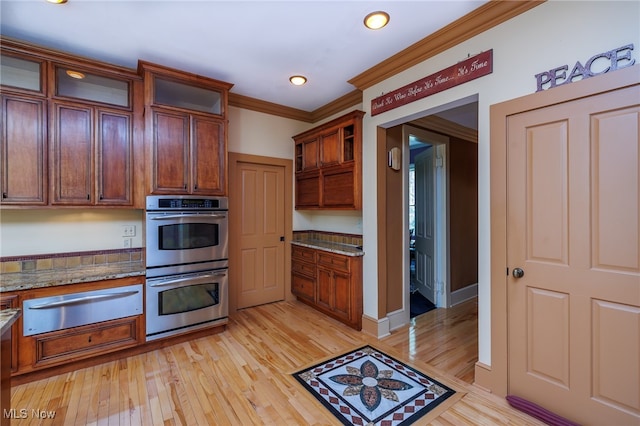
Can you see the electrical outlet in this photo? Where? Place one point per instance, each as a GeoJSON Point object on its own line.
{"type": "Point", "coordinates": [126, 242]}
{"type": "Point", "coordinates": [128, 230]}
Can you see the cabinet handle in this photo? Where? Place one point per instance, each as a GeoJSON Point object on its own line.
{"type": "Point", "coordinates": [4, 195]}
{"type": "Point", "coordinates": [185, 187]}
{"type": "Point", "coordinates": [101, 197]}
{"type": "Point", "coordinates": [83, 299]}
{"type": "Point", "coordinates": [195, 187]}
{"type": "Point", "coordinates": [88, 197]}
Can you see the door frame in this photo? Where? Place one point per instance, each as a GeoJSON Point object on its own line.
{"type": "Point", "coordinates": [494, 377]}
{"type": "Point", "coordinates": [440, 144]}
{"type": "Point", "coordinates": [234, 227]}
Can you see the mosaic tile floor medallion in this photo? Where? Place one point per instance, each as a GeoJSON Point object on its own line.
{"type": "Point", "coordinates": [368, 387]}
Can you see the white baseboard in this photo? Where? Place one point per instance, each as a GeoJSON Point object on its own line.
{"type": "Point", "coordinates": [376, 327]}
{"type": "Point", "coordinates": [464, 294]}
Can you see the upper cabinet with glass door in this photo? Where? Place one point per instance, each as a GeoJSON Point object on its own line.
{"type": "Point", "coordinates": [21, 74]}
{"type": "Point", "coordinates": [186, 131]}
{"type": "Point", "coordinates": [91, 132]}
{"type": "Point", "coordinates": [75, 83]}
{"type": "Point", "coordinates": [71, 128]}
{"type": "Point", "coordinates": [23, 140]}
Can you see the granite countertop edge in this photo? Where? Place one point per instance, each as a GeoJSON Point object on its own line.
{"type": "Point", "coordinates": [7, 318]}
{"type": "Point", "coordinates": [51, 278]}
{"type": "Point", "coordinates": [338, 248]}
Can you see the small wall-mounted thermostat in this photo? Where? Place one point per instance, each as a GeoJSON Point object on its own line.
{"type": "Point", "coordinates": [394, 159]}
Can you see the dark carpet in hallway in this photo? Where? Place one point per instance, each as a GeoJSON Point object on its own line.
{"type": "Point", "coordinates": [419, 304]}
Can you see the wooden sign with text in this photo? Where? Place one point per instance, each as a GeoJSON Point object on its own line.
{"type": "Point", "coordinates": [467, 70]}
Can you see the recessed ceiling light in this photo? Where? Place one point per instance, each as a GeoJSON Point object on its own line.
{"type": "Point", "coordinates": [298, 80]}
{"type": "Point", "coordinates": [376, 20]}
{"type": "Point", "coordinates": [75, 74]}
{"type": "Point", "coordinates": [57, 1]}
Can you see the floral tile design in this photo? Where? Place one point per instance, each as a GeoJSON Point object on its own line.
{"type": "Point", "coordinates": [368, 387]}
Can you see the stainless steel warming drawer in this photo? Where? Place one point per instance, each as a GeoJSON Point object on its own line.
{"type": "Point", "coordinates": [72, 310]}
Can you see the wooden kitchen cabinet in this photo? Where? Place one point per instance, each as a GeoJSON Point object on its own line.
{"type": "Point", "coordinates": [303, 272]}
{"type": "Point", "coordinates": [62, 346]}
{"type": "Point", "coordinates": [328, 161]}
{"type": "Point", "coordinates": [23, 150]}
{"type": "Point", "coordinates": [71, 130]}
{"type": "Point", "coordinates": [57, 348]}
{"type": "Point", "coordinates": [92, 156]}
{"type": "Point", "coordinates": [10, 301]}
{"type": "Point", "coordinates": [186, 132]}
{"type": "Point", "coordinates": [189, 152]}
{"type": "Point", "coordinates": [330, 282]}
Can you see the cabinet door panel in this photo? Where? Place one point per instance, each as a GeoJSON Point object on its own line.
{"type": "Point", "coordinates": [303, 286]}
{"type": "Point", "coordinates": [114, 158]}
{"type": "Point", "coordinates": [342, 295]}
{"type": "Point", "coordinates": [170, 152]}
{"type": "Point", "coordinates": [310, 155]}
{"type": "Point", "coordinates": [72, 154]}
{"type": "Point", "coordinates": [208, 156]}
{"type": "Point", "coordinates": [325, 291]}
{"type": "Point", "coordinates": [330, 149]}
{"type": "Point", "coordinates": [337, 188]}
{"type": "Point", "coordinates": [307, 190]}
{"type": "Point", "coordinates": [24, 156]}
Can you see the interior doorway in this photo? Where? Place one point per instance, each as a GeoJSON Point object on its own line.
{"type": "Point", "coordinates": [428, 212]}
{"type": "Point", "coordinates": [451, 128]}
{"type": "Point", "coordinates": [449, 209]}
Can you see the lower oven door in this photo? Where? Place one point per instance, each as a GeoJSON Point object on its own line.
{"type": "Point", "coordinates": [181, 303]}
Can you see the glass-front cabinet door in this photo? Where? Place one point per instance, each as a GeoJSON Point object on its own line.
{"type": "Point", "coordinates": [79, 84]}
{"type": "Point", "coordinates": [20, 73]}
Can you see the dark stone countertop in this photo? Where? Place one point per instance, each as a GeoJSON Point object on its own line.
{"type": "Point", "coordinates": [338, 248]}
{"type": "Point", "coordinates": [82, 274]}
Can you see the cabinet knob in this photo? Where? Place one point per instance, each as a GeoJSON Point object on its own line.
{"type": "Point", "coordinates": [4, 195]}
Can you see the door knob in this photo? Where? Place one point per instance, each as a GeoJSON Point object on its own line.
{"type": "Point", "coordinates": [518, 273]}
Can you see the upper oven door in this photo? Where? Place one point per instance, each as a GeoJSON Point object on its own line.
{"type": "Point", "coordinates": [175, 238]}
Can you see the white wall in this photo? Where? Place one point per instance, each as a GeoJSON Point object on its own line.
{"type": "Point", "coordinates": [46, 231]}
{"type": "Point", "coordinates": [550, 35]}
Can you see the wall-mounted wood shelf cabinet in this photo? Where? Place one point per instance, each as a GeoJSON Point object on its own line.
{"type": "Point", "coordinates": [328, 161]}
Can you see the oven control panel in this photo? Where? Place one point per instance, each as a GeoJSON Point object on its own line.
{"type": "Point", "coordinates": [186, 202]}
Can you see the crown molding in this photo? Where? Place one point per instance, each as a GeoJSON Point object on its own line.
{"type": "Point", "coordinates": [446, 127]}
{"type": "Point", "coordinates": [351, 99]}
{"type": "Point", "coordinates": [254, 104]}
{"type": "Point", "coordinates": [479, 20]}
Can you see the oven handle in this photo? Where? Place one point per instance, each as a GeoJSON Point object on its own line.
{"type": "Point", "coordinates": [84, 299]}
{"type": "Point", "coordinates": [182, 280]}
{"type": "Point", "coordinates": [188, 215]}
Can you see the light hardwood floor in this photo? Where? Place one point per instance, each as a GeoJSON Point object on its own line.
{"type": "Point", "coordinates": [242, 376]}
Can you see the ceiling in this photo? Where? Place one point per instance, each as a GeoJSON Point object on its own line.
{"type": "Point", "coordinates": [256, 45]}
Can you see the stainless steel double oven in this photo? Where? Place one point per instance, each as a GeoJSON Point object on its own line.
{"type": "Point", "coordinates": [187, 251]}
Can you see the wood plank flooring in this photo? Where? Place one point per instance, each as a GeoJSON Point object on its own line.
{"type": "Point", "coordinates": [243, 375]}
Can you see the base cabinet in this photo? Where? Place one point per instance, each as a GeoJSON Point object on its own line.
{"type": "Point", "coordinates": [331, 283]}
{"type": "Point", "coordinates": [73, 343]}
{"type": "Point", "coordinates": [80, 342]}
